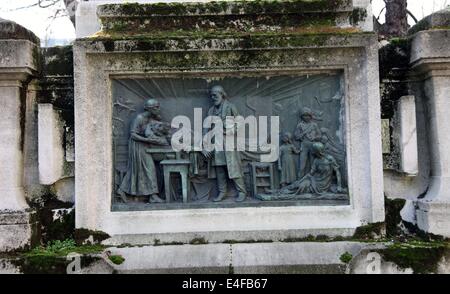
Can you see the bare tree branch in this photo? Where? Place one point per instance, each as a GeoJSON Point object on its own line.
{"type": "Point", "coordinates": [39, 3]}
{"type": "Point", "coordinates": [379, 15]}
{"type": "Point", "coordinates": [412, 16]}
{"type": "Point", "coordinates": [47, 3]}
{"type": "Point", "coordinates": [24, 7]}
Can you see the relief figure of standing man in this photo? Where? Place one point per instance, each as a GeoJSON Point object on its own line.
{"type": "Point", "coordinates": [307, 133]}
{"type": "Point", "coordinates": [224, 165]}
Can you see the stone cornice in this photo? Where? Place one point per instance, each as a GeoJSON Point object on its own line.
{"type": "Point", "coordinates": [19, 56]}
{"type": "Point", "coordinates": [431, 67]}
{"type": "Point", "coordinates": [12, 75]}
{"type": "Point", "coordinates": [228, 17]}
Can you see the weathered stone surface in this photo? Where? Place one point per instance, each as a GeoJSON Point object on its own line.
{"type": "Point", "coordinates": [437, 20]}
{"type": "Point", "coordinates": [371, 262]}
{"type": "Point", "coordinates": [432, 45]}
{"type": "Point", "coordinates": [251, 258]}
{"type": "Point", "coordinates": [51, 147]}
{"type": "Point", "coordinates": [6, 267]}
{"type": "Point", "coordinates": [17, 230]}
{"type": "Point", "coordinates": [30, 149]}
{"type": "Point", "coordinates": [10, 30]}
{"type": "Point", "coordinates": [12, 195]}
{"type": "Point", "coordinates": [19, 61]}
{"type": "Point", "coordinates": [256, 258]}
{"type": "Point", "coordinates": [64, 189]}
{"type": "Point", "coordinates": [225, 236]}
{"type": "Point", "coordinates": [408, 135]}
{"type": "Point", "coordinates": [430, 61]}
{"type": "Point", "coordinates": [227, 16]}
{"type": "Point", "coordinates": [397, 184]}
{"type": "Point", "coordinates": [57, 89]}
{"type": "Point", "coordinates": [297, 53]}
{"type": "Point", "coordinates": [433, 215]}
{"type": "Point", "coordinates": [358, 14]}
{"type": "Point", "coordinates": [428, 81]}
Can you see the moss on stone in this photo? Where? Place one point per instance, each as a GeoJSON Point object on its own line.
{"type": "Point", "coordinates": [372, 231]}
{"type": "Point", "coordinates": [223, 7]}
{"type": "Point", "coordinates": [231, 24]}
{"type": "Point", "coordinates": [394, 64]}
{"type": "Point", "coordinates": [346, 257]}
{"type": "Point", "coordinates": [117, 259]}
{"type": "Point", "coordinates": [421, 257]}
{"type": "Point", "coordinates": [10, 30]}
{"type": "Point", "coordinates": [393, 217]}
{"type": "Point", "coordinates": [51, 229]}
{"type": "Point", "coordinates": [249, 241]}
{"type": "Point", "coordinates": [58, 60]}
{"type": "Point", "coordinates": [59, 248]}
{"type": "Point", "coordinates": [85, 236]}
{"type": "Point", "coordinates": [56, 83]}
{"type": "Point", "coordinates": [197, 42]}
{"type": "Point", "coordinates": [230, 16]}
{"type": "Point", "coordinates": [52, 258]}
{"type": "Point", "coordinates": [157, 242]}
{"type": "Point", "coordinates": [357, 15]}
{"type": "Point", "coordinates": [198, 241]}
{"type": "Point", "coordinates": [318, 238]}
{"type": "Point", "coordinates": [42, 264]}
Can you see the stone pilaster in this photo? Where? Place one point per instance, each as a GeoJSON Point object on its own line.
{"type": "Point", "coordinates": [18, 64]}
{"type": "Point", "coordinates": [430, 59]}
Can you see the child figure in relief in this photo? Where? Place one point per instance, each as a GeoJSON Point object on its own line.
{"type": "Point", "coordinates": [286, 162]}
{"type": "Point", "coordinates": [158, 131]}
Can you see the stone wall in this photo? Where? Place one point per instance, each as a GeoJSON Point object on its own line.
{"type": "Point", "coordinates": [36, 87]}
{"type": "Point", "coordinates": [232, 39]}
{"type": "Point", "coordinates": [49, 127]}
{"type": "Point", "coordinates": [418, 66]}
{"type": "Point", "coordinates": [88, 22]}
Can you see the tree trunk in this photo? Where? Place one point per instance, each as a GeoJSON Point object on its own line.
{"type": "Point", "coordinates": [396, 18]}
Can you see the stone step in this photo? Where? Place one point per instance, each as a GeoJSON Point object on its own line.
{"type": "Point", "coordinates": [240, 258]}
{"type": "Point", "coordinates": [344, 257]}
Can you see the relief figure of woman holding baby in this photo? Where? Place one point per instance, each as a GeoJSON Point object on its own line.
{"type": "Point", "coordinates": [146, 131]}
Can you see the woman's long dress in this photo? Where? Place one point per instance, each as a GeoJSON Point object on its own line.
{"type": "Point", "coordinates": [140, 179]}
{"type": "Point", "coordinates": [288, 168]}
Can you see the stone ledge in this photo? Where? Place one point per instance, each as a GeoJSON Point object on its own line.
{"type": "Point", "coordinates": [257, 258]}
{"type": "Point", "coordinates": [229, 16]}
{"type": "Point", "coordinates": [16, 217]}
{"type": "Point", "coordinates": [223, 8]}
{"type": "Point", "coordinates": [431, 46]}
{"type": "Point", "coordinates": [433, 217]}
{"type": "Point", "coordinates": [214, 42]}
{"type": "Point", "coordinates": [18, 57]}
{"type": "Point", "coordinates": [226, 236]}
{"type": "Point", "coordinates": [18, 229]}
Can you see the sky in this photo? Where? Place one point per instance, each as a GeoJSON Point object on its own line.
{"type": "Point", "coordinates": [419, 8]}
{"type": "Point", "coordinates": [41, 22]}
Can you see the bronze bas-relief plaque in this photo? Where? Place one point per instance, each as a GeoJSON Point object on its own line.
{"type": "Point", "coordinates": [311, 168]}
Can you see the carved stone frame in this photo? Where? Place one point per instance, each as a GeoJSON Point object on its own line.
{"type": "Point", "coordinates": [95, 68]}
